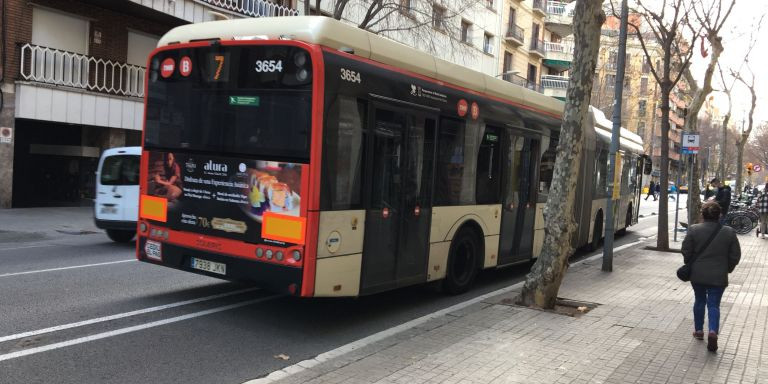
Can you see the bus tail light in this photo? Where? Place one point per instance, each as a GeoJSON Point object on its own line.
{"type": "Point", "coordinates": [296, 254]}
{"type": "Point", "coordinates": [279, 255]}
{"type": "Point", "coordinates": [259, 252]}
{"type": "Point", "coordinates": [143, 228]}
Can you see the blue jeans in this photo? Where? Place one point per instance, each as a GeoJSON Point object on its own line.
{"type": "Point", "coordinates": [710, 297]}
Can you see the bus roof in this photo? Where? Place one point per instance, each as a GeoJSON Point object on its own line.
{"type": "Point", "coordinates": [335, 34]}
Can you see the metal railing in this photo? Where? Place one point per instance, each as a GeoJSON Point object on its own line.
{"type": "Point", "coordinates": [515, 32]}
{"type": "Point", "coordinates": [540, 5]}
{"type": "Point", "coordinates": [523, 82]}
{"type": "Point", "coordinates": [552, 81]}
{"type": "Point", "coordinates": [558, 47]}
{"type": "Point", "coordinates": [558, 8]}
{"type": "Point", "coordinates": [53, 66]}
{"type": "Point", "coordinates": [537, 46]}
{"type": "Point", "coordinates": [254, 8]}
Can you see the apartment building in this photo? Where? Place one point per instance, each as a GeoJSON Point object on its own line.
{"type": "Point", "coordinates": [641, 95]}
{"type": "Point", "coordinates": [72, 85]}
{"type": "Point", "coordinates": [464, 32]}
{"type": "Point", "coordinates": [537, 45]}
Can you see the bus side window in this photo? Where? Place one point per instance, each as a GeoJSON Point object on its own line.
{"type": "Point", "coordinates": [601, 172]}
{"type": "Point", "coordinates": [547, 167]}
{"type": "Point", "coordinates": [488, 174]}
{"type": "Point", "coordinates": [343, 154]}
{"type": "Point", "coordinates": [455, 168]}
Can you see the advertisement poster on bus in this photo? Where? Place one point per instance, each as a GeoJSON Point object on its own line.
{"type": "Point", "coordinates": [226, 197]}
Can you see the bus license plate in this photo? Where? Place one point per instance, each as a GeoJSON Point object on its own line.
{"type": "Point", "coordinates": [153, 249]}
{"type": "Point", "coordinates": [209, 266]}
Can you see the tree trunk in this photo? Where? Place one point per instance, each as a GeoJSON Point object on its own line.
{"type": "Point", "coordinates": [740, 164]}
{"type": "Point", "coordinates": [543, 282]}
{"type": "Point", "coordinates": [692, 120]}
{"type": "Point", "coordinates": [726, 120]}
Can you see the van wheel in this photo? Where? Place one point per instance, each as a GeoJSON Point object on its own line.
{"type": "Point", "coordinates": [463, 262]}
{"type": "Point", "coordinates": [597, 233]}
{"type": "Point", "coordinates": [121, 236]}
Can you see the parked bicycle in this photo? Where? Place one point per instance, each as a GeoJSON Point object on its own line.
{"type": "Point", "coordinates": [743, 216]}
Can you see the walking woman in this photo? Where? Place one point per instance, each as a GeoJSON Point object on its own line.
{"type": "Point", "coordinates": [714, 252]}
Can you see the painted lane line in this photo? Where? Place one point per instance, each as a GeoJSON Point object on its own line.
{"type": "Point", "coordinates": [355, 345]}
{"type": "Point", "coordinates": [122, 315]}
{"type": "Point", "coordinates": [65, 268]}
{"type": "Point", "coordinates": [27, 247]}
{"type": "Point", "coordinates": [135, 328]}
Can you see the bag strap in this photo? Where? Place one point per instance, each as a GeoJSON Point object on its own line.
{"type": "Point", "coordinates": [711, 237]}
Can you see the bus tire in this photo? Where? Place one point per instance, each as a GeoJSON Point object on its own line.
{"type": "Point", "coordinates": [597, 232]}
{"type": "Point", "coordinates": [627, 222]}
{"type": "Point", "coordinates": [121, 236]}
{"type": "Point", "coordinates": [463, 262]}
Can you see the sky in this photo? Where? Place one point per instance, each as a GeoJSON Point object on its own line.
{"type": "Point", "coordinates": [736, 36]}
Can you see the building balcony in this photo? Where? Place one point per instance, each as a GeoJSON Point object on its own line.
{"type": "Point", "coordinates": [559, 17]}
{"type": "Point", "coordinates": [67, 87]}
{"type": "Point", "coordinates": [558, 55]}
{"type": "Point", "coordinates": [515, 35]}
{"type": "Point", "coordinates": [523, 82]}
{"type": "Point", "coordinates": [536, 48]}
{"type": "Point", "coordinates": [540, 7]}
{"type": "Point", "coordinates": [554, 86]}
{"type": "Point", "coordinates": [61, 68]}
{"type": "Point", "coordinates": [195, 11]}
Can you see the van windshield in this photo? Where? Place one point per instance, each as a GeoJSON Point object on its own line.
{"type": "Point", "coordinates": [120, 170]}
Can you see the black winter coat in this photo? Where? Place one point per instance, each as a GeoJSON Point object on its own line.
{"type": "Point", "coordinates": [713, 264]}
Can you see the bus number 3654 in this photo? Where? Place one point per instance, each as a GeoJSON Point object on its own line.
{"type": "Point", "coordinates": [269, 66]}
{"type": "Point", "coordinates": [350, 76]}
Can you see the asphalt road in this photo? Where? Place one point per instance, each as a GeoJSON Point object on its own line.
{"type": "Point", "coordinates": [76, 308]}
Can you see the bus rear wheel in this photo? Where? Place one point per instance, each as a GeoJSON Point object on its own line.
{"type": "Point", "coordinates": [463, 261]}
{"type": "Point", "coordinates": [597, 233]}
{"type": "Point", "coordinates": [120, 236]}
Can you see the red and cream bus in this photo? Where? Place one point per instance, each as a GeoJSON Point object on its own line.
{"type": "Point", "coordinates": [317, 159]}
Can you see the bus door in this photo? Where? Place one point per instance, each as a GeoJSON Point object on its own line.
{"type": "Point", "coordinates": [519, 202]}
{"type": "Point", "coordinates": [399, 175]}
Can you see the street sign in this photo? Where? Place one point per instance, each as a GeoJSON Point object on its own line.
{"type": "Point", "coordinates": [6, 135]}
{"type": "Point", "coordinates": [757, 168]}
{"type": "Point", "coordinates": [690, 143]}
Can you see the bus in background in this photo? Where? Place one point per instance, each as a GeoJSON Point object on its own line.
{"type": "Point", "coordinates": [116, 206]}
{"type": "Point", "coordinates": [318, 159]}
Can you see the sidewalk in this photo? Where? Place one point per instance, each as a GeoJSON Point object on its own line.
{"type": "Point", "coordinates": [30, 224]}
{"type": "Point", "coordinates": [640, 333]}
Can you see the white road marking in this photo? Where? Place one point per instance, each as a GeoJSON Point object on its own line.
{"type": "Point", "coordinates": [27, 247]}
{"type": "Point", "coordinates": [122, 331]}
{"type": "Point", "coordinates": [355, 345]}
{"type": "Point", "coordinates": [65, 268]}
{"type": "Point", "coordinates": [121, 315]}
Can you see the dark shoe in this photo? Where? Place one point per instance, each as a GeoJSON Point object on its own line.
{"type": "Point", "coordinates": [698, 335]}
{"type": "Point", "coordinates": [712, 342]}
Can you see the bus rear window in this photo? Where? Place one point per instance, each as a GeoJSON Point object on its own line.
{"type": "Point", "coordinates": [250, 100]}
{"type": "Point", "coordinates": [120, 170]}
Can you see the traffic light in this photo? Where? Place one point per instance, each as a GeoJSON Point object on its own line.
{"type": "Point", "coordinates": [750, 167]}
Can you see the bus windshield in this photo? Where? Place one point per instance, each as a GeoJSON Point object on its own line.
{"type": "Point", "coordinates": [248, 100]}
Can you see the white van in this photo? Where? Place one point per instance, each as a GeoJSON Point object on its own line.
{"type": "Point", "coordinates": [116, 208]}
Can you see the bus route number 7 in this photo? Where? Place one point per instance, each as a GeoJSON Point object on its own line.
{"type": "Point", "coordinates": [220, 64]}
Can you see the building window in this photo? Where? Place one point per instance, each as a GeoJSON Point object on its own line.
{"type": "Point", "coordinates": [466, 32]}
{"type": "Point", "coordinates": [488, 43]}
{"type": "Point", "coordinates": [646, 65]}
{"type": "Point", "coordinates": [627, 83]}
{"type": "Point", "coordinates": [438, 17]}
{"type": "Point", "coordinates": [641, 128]}
{"type": "Point", "coordinates": [641, 108]}
{"type": "Point", "coordinates": [406, 6]}
{"type": "Point", "coordinates": [644, 85]}
{"type": "Point", "coordinates": [610, 81]}
{"type": "Point", "coordinates": [532, 70]}
{"type": "Point", "coordinates": [489, 4]}
{"type": "Point", "coordinates": [613, 58]}
{"type": "Point", "coordinates": [507, 66]}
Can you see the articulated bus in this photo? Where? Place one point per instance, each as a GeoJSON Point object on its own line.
{"type": "Point", "coordinates": [317, 159]}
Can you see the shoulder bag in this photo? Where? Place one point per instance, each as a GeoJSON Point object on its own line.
{"type": "Point", "coordinates": [684, 272]}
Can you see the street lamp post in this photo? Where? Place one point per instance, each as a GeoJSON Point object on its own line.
{"type": "Point", "coordinates": [614, 149]}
